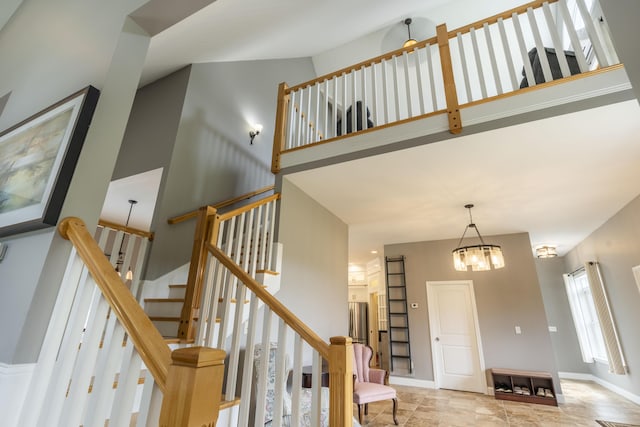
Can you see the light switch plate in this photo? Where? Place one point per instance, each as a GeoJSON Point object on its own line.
{"type": "Point", "coordinates": [553, 329]}
{"type": "Point", "coordinates": [518, 330]}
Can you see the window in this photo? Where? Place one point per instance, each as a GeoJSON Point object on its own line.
{"type": "Point", "coordinates": [585, 317]}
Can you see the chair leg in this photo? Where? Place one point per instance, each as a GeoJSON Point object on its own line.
{"type": "Point", "coordinates": [366, 409]}
{"type": "Point", "coordinates": [359, 413]}
{"type": "Point", "coordinates": [395, 409]}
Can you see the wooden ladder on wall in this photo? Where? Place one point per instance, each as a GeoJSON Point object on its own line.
{"type": "Point", "coordinates": [398, 315]}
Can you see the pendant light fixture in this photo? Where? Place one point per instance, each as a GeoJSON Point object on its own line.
{"type": "Point", "coordinates": [120, 261]}
{"type": "Point", "coordinates": [410, 41]}
{"type": "Point", "coordinates": [480, 257]}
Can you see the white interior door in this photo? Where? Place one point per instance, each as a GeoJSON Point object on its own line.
{"type": "Point", "coordinates": [455, 336]}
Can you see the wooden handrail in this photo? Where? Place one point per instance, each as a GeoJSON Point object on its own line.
{"type": "Point", "coordinates": [376, 60]}
{"type": "Point", "coordinates": [220, 205]}
{"type": "Point", "coordinates": [248, 207]}
{"type": "Point", "coordinates": [276, 306]}
{"type": "Point", "coordinates": [504, 15]}
{"type": "Point", "coordinates": [137, 232]}
{"type": "Point", "coordinates": [155, 354]}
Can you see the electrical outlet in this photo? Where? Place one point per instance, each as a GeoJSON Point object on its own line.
{"type": "Point", "coordinates": [518, 330]}
{"type": "Point", "coordinates": [553, 329]}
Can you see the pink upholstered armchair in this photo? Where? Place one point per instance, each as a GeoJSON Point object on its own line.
{"type": "Point", "coordinates": [369, 383]}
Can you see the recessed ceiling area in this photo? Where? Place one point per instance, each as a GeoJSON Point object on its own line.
{"type": "Point", "coordinates": [558, 179]}
{"type": "Point", "coordinates": [142, 188]}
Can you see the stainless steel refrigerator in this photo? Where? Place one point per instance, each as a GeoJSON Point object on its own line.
{"type": "Point", "coordinates": [359, 322]}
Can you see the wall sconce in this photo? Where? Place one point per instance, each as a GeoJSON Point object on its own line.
{"type": "Point", "coordinates": [255, 131]}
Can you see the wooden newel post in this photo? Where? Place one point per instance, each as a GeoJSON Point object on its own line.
{"type": "Point", "coordinates": [280, 133]}
{"type": "Point", "coordinates": [341, 382]}
{"type": "Point", "coordinates": [191, 307]}
{"type": "Point", "coordinates": [194, 388]}
{"type": "Point", "coordinates": [450, 92]}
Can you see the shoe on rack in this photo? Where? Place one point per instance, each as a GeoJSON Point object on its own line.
{"type": "Point", "coordinates": [500, 387]}
{"type": "Point", "coordinates": [548, 393]}
{"type": "Point", "coordinates": [525, 391]}
{"type": "Point", "coordinates": [507, 389]}
{"type": "Point", "coordinates": [540, 392]}
{"type": "Point", "coordinates": [517, 390]}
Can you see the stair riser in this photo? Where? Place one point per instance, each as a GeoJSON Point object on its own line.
{"type": "Point", "coordinates": [163, 309]}
{"type": "Point", "coordinates": [167, 328]}
{"type": "Point", "coordinates": [175, 292]}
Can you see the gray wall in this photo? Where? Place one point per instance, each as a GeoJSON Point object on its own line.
{"type": "Point", "coordinates": [315, 265]}
{"type": "Point", "coordinates": [211, 159]}
{"type": "Point", "coordinates": [616, 246]}
{"type": "Point", "coordinates": [622, 17]}
{"type": "Point", "coordinates": [556, 305]}
{"type": "Point", "coordinates": [39, 67]}
{"type": "Point", "coordinates": [505, 298]}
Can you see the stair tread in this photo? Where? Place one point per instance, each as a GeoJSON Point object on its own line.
{"type": "Point", "coordinates": [224, 404]}
{"type": "Point", "coordinates": [177, 286]}
{"type": "Point", "coordinates": [164, 318]}
{"type": "Point", "coordinates": [271, 272]}
{"type": "Point", "coordinates": [164, 300]}
{"type": "Point", "coordinates": [233, 300]}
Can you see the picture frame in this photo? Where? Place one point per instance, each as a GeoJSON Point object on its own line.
{"type": "Point", "coordinates": [37, 159]}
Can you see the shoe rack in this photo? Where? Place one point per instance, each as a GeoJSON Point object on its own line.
{"type": "Point", "coordinates": [524, 386]}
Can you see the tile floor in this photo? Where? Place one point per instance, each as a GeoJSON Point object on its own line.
{"type": "Point", "coordinates": [585, 402]}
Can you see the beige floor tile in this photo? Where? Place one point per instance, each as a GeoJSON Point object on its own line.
{"type": "Point", "coordinates": [585, 402]}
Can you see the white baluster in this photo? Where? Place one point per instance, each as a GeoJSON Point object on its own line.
{"type": "Point", "coordinates": [432, 79]}
{"type": "Point", "coordinates": [396, 89]}
{"type": "Point", "coordinates": [593, 34]}
{"type": "Point", "coordinates": [363, 117]}
{"type": "Point", "coordinates": [42, 379]}
{"type": "Point", "coordinates": [293, 117]}
{"type": "Point", "coordinates": [507, 54]}
{"type": "Point", "coordinates": [281, 367]}
{"type": "Point", "coordinates": [309, 122]}
{"type": "Point", "coordinates": [272, 224]}
{"type": "Point", "coordinates": [416, 53]}
{"type": "Point", "coordinates": [85, 363]}
{"type": "Point", "coordinates": [316, 128]}
{"type": "Point", "coordinates": [316, 392]}
{"type": "Point", "coordinates": [263, 372]}
{"type": "Point", "coordinates": [146, 401]}
{"type": "Point", "coordinates": [343, 77]}
{"type": "Point", "coordinates": [478, 60]}
{"type": "Point", "coordinates": [542, 53]}
{"type": "Point", "coordinates": [325, 127]}
{"type": "Point", "coordinates": [335, 112]}
{"type": "Point", "coordinates": [296, 380]}
{"type": "Point", "coordinates": [528, 71]}
{"type": "Point", "coordinates": [234, 354]}
{"type": "Point", "coordinates": [492, 56]}
{"type": "Point", "coordinates": [374, 93]}
{"type": "Point", "coordinates": [465, 68]}
{"type": "Point", "coordinates": [385, 95]}
{"type": "Point", "coordinates": [247, 377]}
{"type": "Point", "coordinates": [573, 36]}
{"type": "Point", "coordinates": [127, 387]}
{"type": "Point", "coordinates": [407, 85]}
{"type": "Point", "coordinates": [354, 97]}
{"type": "Point", "coordinates": [555, 38]}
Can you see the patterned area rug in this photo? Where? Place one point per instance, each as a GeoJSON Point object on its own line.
{"type": "Point", "coordinates": [612, 424]}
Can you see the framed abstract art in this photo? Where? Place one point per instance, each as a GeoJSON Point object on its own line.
{"type": "Point", "coordinates": [37, 160]}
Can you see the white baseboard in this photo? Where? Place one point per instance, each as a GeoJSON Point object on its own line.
{"type": "Point", "coordinates": [412, 382]}
{"type": "Point", "coordinates": [14, 383]}
{"type": "Point", "coordinates": [614, 388]}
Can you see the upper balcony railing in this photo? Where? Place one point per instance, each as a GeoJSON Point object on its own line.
{"type": "Point", "coordinates": [493, 57]}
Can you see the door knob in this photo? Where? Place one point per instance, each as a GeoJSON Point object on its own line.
{"type": "Point", "coordinates": [437, 339]}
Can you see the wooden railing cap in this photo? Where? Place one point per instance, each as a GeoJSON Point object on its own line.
{"type": "Point", "coordinates": [198, 357]}
{"type": "Point", "coordinates": [341, 340]}
{"type": "Point", "coordinates": [63, 226]}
